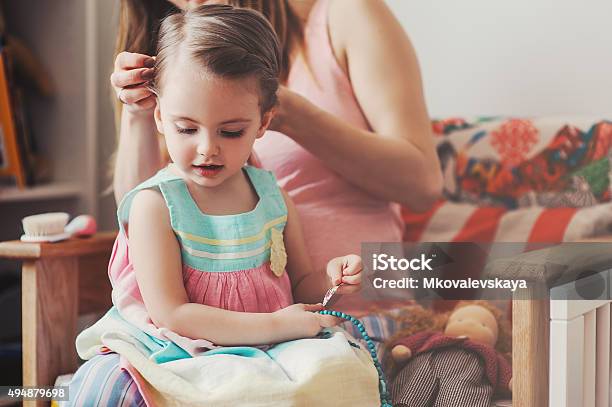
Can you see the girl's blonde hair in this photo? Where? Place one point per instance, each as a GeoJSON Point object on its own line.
{"type": "Point", "coordinates": [225, 41]}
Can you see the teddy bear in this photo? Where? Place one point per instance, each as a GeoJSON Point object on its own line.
{"type": "Point", "coordinates": [460, 358]}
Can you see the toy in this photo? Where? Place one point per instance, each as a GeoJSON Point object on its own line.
{"type": "Point", "coordinates": [459, 358]}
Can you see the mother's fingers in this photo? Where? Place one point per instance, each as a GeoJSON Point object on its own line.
{"type": "Point", "coordinates": [131, 60]}
{"type": "Point", "coordinates": [146, 103]}
{"type": "Point", "coordinates": [121, 79]}
{"type": "Point", "coordinates": [134, 95]}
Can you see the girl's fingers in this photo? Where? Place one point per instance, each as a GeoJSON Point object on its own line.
{"type": "Point", "coordinates": [121, 79]}
{"type": "Point", "coordinates": [327, 321]}
{"type": "Point", "coordinates": [313, 307]}
{"type": "Point", "coordinates": [131, 60]}
{"type": "Point", "coordinates": [352, 265]}
{"type": "Point", "coordinates": [348, 289]}
{"type": "Point", "coordinates": [334, 270]}
{"type": "Point", "coordinates": [352, 280]}
{"type": "Point", "coordinates": [134, 95]}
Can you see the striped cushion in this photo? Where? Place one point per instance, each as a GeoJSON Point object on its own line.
{"type": "Point", "coordinates": [455, 222]}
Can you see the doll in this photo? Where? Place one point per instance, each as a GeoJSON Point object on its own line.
{"type": "Point", "coordinates": [454, 359]}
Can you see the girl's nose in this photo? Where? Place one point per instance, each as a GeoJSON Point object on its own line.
{"type": "Point", "coordinates": [207, 147]}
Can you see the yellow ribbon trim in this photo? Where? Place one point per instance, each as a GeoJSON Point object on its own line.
{"type": "Point", "coordinates": [233, 242]}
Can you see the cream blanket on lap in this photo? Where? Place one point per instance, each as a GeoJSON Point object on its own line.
{"type": "Point", "coordinates": [327, 371]}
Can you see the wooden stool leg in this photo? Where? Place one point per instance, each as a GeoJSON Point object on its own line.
{"type": "Point", "coordinates": [49, 316]}
{"type": "Point", "coordinates": [530, 347]}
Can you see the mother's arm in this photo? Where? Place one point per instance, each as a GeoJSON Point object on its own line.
{"type": "Point", "coordinates": [138, 155]}
{"type": "Point", "coordinates": [396, 161]}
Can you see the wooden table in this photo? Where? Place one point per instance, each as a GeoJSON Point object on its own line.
{"type": "Point", "coordinates": [59, 282]}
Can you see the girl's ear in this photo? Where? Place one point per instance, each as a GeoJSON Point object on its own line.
{"type": "Point", "coordinates": [265, 122]}
{"type": "Point", "coordinates": [158, 119]}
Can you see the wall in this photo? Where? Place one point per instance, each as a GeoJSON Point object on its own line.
{"type": "Point", "coordinates": [520, 57]}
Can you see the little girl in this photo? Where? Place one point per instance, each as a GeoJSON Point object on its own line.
{"type": "Point", "coordinates": [210, 256]}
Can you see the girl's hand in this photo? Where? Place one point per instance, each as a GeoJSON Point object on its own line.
{"type": "Point", "coordinates": [346, 270]}
{"type": "Point", "coordinates": [301, 321]}
{"type": "Point", "coordinates": [129, 79]}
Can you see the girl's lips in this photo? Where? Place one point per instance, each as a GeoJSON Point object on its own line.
{"type": "Point", "coordinates": [208, 171]}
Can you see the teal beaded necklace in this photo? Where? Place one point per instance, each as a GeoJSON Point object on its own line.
{"type": "Point", "coordinates": [385, 400]}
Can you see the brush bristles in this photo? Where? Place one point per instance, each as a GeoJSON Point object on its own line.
{"type": "Point", "coordinates": [45, 224]}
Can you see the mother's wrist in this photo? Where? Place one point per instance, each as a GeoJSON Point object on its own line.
{"type": "Point", "coordinates": [293, 110]}
{"type": "Point", "coordinates": [139, 120]}
{"type": "Point", "coordinates": [138, 114]}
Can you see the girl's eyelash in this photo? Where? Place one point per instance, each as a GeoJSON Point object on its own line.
{"type": "Point", "coordinates": [183, 130]}
{"type": "Point", "coordinates": [224, 133]}
{"type": "Point", "coordinates": [231, 134]}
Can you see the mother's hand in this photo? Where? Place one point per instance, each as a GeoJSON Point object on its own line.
{"type": "Point", "coordinates": [129, 79]}
{"type": "Point", "coordinates": [289, 103]}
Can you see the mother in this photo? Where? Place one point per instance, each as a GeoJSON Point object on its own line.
{"type": "Point", "coordinates": [352, 129]}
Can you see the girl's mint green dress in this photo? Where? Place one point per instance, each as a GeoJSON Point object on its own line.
{"type": "Point", "coordinates": [235, 262]}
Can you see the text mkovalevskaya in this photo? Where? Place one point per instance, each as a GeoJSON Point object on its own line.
{"type": "Point", "coordinates": [384, 262]}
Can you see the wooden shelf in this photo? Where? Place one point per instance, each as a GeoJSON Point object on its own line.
{"type": "Point", "coordinates": [40, 193]}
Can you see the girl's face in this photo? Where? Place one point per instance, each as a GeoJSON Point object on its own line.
{"type": "Point", "coordinates": [189, 4]}
{"type": "Point", "coordinates": [209, 123]}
